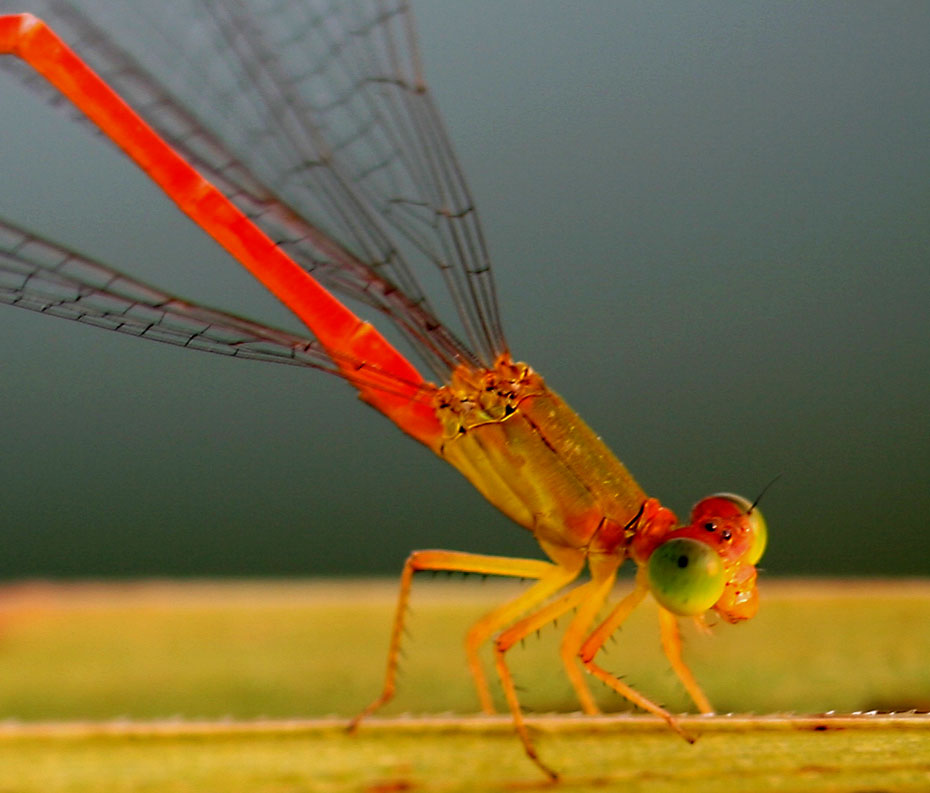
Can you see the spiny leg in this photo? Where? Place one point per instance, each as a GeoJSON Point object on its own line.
{"type": "Point", "coordinates": [601, 585]}
{"type": "Point", "coordinates": [555, 579]}
{"type": "Point", "coordinates": [671, 644]}
{"type": "Point", "coordinates": [588, 597]}
{"type": "Point", "coordinates": [596, 640]}
{"type": "Point", "coordinates": [456, 562]}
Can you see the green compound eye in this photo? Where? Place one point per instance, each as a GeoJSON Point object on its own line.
{"type": "Point", "coordinates": [686, 576]}
{"type": "Point", "coordinates": [760, 537]}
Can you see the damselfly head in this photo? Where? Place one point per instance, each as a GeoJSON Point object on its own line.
{"type": "Point", "coordinates": [710, 563]}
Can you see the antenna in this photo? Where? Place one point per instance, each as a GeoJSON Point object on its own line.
{"type": "Point", "coordinates": [764, 491]}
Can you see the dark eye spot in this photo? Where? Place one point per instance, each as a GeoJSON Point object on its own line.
{"type": "Point", "coordinates": [726, 534]}
{"type": "Point", "coordinates": [709, 526]}
{"type": "Point", "coordinates": [682, 561]}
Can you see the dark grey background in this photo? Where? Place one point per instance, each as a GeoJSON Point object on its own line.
{"type": "Point", "coordinates": [710, 227]}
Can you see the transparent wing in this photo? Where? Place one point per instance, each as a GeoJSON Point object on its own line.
{"type": "Point", "coordinates": [40, 276]}
{"type": "Point", "coordinates": [313, 117]}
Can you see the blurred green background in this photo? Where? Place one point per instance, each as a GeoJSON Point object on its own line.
{"type": "Point", "coordinates": [710, 228]}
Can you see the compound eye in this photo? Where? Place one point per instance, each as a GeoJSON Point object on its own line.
{"type": "Point", "coordinates": [760, 535]}
{"type": "Point", "coordinates": [686, 576]}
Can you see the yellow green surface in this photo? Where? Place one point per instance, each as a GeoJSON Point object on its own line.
{"type": "Point", "coordinates": [182, 687]}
